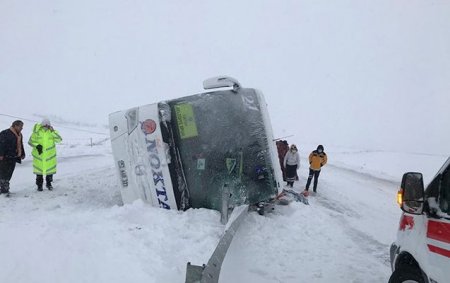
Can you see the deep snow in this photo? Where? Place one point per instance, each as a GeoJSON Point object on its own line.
{"type": "Point", "coordinates": [81, 232]}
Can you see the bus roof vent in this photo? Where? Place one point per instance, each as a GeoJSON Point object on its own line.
{"type": "Point", "coordinates": [221, 81]}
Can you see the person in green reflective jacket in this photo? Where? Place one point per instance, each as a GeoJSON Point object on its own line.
{"type": "Point", "coordinates": [43, 140]}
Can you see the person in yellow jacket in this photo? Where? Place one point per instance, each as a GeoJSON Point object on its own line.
{"type": "Point", "coordinates": [43, 140]}
{"type": "Point", "coordinates": [317, 159]}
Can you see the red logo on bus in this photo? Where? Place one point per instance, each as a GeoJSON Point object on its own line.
{"type": "Point", "coordinates": [148, 126]}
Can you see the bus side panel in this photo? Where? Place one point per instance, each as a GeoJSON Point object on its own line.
{"type": "Point", "coordinates": [222, 139]}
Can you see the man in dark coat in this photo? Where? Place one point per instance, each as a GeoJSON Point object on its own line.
{"type": "Point", "coordinates": [11, 151]}
{"type": "Point", "coordinates": [282, 148]}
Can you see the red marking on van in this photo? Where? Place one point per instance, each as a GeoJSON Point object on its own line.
{"type": "Point", "coordinates": [439, 231]}
{"type": "Point", "coordinates": [406, 221]}
{"type": "Point", "coordinates": [438, 250]}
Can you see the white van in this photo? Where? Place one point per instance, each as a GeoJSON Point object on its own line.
{"type": "Point", "coordinates": [421, 252]}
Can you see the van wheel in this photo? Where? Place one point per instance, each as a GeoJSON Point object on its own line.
{"type": "Point", "coordinates": [406, 274]}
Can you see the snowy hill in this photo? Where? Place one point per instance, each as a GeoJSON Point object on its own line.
{"type": "Point", "coordinates": [81, 232]}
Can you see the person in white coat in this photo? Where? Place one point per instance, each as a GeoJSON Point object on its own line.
{"type": "Point", "coordinates": [292, 164]}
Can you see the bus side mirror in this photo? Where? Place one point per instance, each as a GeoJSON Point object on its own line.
{"type": "Point", "coordinates": [411, 194]}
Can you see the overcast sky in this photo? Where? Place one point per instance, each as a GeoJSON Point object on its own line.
{"type": "Point", "coordinates": [373, 74]}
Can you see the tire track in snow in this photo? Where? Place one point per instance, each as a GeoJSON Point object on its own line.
{"type": "Point", "coordinates": [366, 242]}
{"type": "Point", "coordinates": [365, 175]}
{"type": "Point", "coordinates": [340, 211]}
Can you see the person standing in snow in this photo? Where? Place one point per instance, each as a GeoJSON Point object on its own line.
{"type": "Point", "coordinates": [43, 140]}
{"type": "Point", "coordinates": [317, 159]}
{"type": "Point", "coordinates": [11, 152]}
{"type": "Point", "coordinates": [292, 164]}
{"type": "Point", "coordinates": [282, 148]}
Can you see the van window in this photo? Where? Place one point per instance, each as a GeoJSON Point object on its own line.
{"type": "Point", "coordinates": [433, 188]}
{"type": "Point", "coordinates": [444, 200]}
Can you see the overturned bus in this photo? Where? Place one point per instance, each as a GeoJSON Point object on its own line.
{"type": "Point", "coordinates": [186, 152]}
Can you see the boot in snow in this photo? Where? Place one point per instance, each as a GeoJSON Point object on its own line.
{"type": "Point", "coordinates": [4, 187]}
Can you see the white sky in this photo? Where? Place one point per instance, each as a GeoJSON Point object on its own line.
{"type": "Point", "coordinates": [374, 74]}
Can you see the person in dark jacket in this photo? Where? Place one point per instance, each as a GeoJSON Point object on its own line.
{"type": "Point", "coordinates": [11, 152]}
{"type": "Point", "coordinates": [317, 159]}
{"type": "Point", "coordinates": [282, 148]}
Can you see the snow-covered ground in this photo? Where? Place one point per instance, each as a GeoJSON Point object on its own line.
{"type": "Point", "coordinates": [81, 232]}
